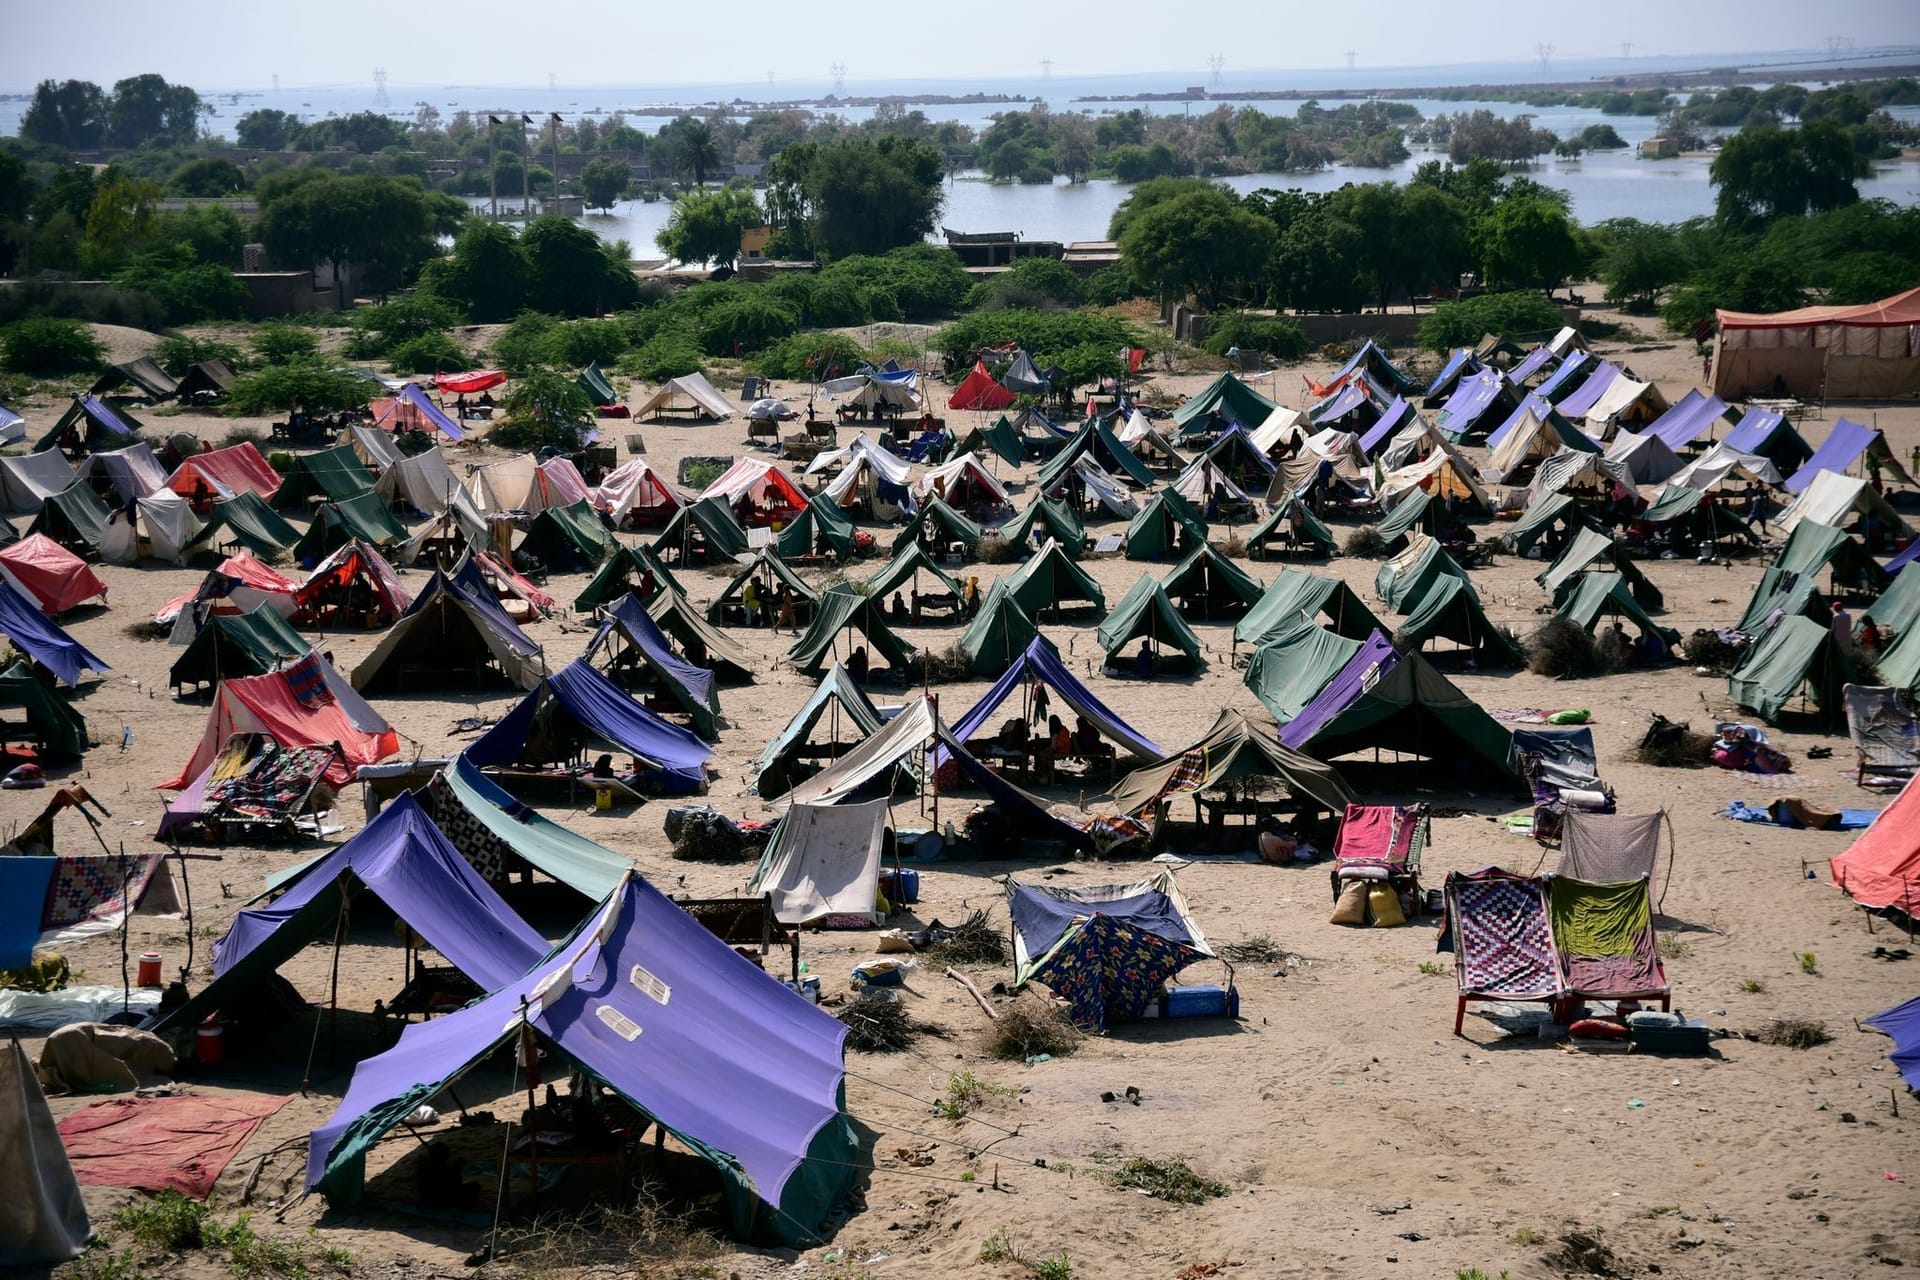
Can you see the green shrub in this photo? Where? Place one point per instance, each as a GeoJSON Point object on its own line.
{"type": "Point", "coordinates": [130, 307]}
{"type": "Point", "coordinates": [576, 344]}
{"type": "Point", "coordinates": [1046, 335]}
{"type": "Point", "coordinates": [668, 355]}
{"type": "Point", "coordinates": [275, 388]}
{"type": "Point", "coordinates": [524, 343]}
{"type": "Point", "coordinates": [810, 356]}
{"type": "Point", "coordinates": [279, 343]}
{"type": "Point", "coordinates": [1269, 335]}
{"type": "Point", "coordinates": [379, 329]}
{"type": "Point", "coordinates": [428, 353]}
{"type": "Point", "coordinates": [1110, 285]}
{"type": "Point", "coordinates": [1520, 316]}
{"type": "Point", "coordinates": [187, 288]}
{"type": "Point", "coordinates": [1046, 281]}
{"type": "Point", "coordinates": [177, 355]}
{"type": "Point", "coordinates": [46, 347]}
{"type": "Point", "coordinates": [747, 323]}
{"type": "Point", "coordinates": [543, 409]}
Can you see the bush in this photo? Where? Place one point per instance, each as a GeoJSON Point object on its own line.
{"type": "Point", "coordinates": [1044, 279]}
{"type": "Point", "coordinates": [428, 353]}
{"type": "Point", "coordinates": [379, 329]}
{"type": "Point", "coordinates": [1028, 1026]}
{"type": "Point", "coordinates": [1045, 335]}
{"type": "Point", "coordinates": [187, 288]}
{"type": "Point", "coordinates": [1111, 285]}
{"type": "Point", "coordinates": [524, 344]}
{"type": "Point", "coordinates": [1268, 335]}
{"type": "Point", "coordinates": [667, 355]}
{"type": "Point", "coordinates": [1520, 316]}
{"type": "Point", "coordinates": [1562, 647]}
{"type": "Point", "coordinates": [544, 409]}
{"type": "Point", "coordinates": [47, 347]}
{"type": "Point", "coordinates": [177, 355]}
{"type": "Point", "coordinates": [279, 343]}
{"type": "Point", "coordinates": [810, 356]}
{"type": "Point", "coordinates": [275, 388]}
{"type": "Point", "coordinates": [576, 344]}
{"type": "Point", "coordinates": [130, 307]}
{"type": "Point", "coordinates": [747, 323]}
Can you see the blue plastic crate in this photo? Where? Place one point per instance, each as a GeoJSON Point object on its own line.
{"type": "Point", "coordinates": [1200, 1001]}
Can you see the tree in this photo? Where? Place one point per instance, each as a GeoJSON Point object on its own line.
{"type": "Point", "coordinates": [66, 113]}
{"type": "Point", "coordinates": [705, 226]}
{"type": "Point", "coordinates": [543, 409]}
{"type": "Point", "coordinates": [1073, 146]}
{"type": "Point", "coordinates": [188, 288]}
{"type": "Point", "coordinates": [1153, 192]}
{"type": "Point", "coordinates": [124, 215]}
{"type": "Point", "coordinates": [1413, 237]}
{"type": "Point", "coordinates": [573, 272]}
{"type": "Point", "coordinates": [1644, 259]}
{"type": "Point", "coordinates": [382, 226]}
{"type": "Point", "coordinates": [486, 274]}
{"type": "Point", "coordinates": [267, 129]}
{"type": "Point", "coordinates": [1202, 242]}
{"type": "Point", "coordinates": [1529, 243]}
{"type": "Point", "coordinates": [214, 232]}
{"type": "Point", "coordinates": [860, 196]}
{"type": "Point", "coordinates": [148, 109]}
{"type": "Point", "coordinates": [690, 147]}
{"type": "Point", "coordinates": [604, 180]}
{"type": "Point", "coordinates": [207, 176]}
{"type": "Point", "coordinates": [1763, 174]}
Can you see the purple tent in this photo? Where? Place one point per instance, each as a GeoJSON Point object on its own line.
{"type": "Point", "coordinates": [742, 1071]}
{"type": "Point", "coordinates": [1376, 651]}
{"type": "Point", "coordinates": [1041, 662]}
{"type": "Point", "coordinates": [1460, 363]}
{"type": "Point", "coordinates": [1535, 360]}
{"type": "Point", "coordinates": [1347, 399]}
{"type": "Point", "coordinates": [1843, 447]}
{"type": "Point", "coordinates": [695, 684]}
{"type": "Point", "coordinates": [608, 716]}
{"type": "Point", "coordinates": [40, 638]}
{"type": "Point", "coordinates": [1754, 430]}
{"type": "Point", "coordinates": [1902, 1023]}
{"type": "Point", "coordinates": [1587, 394]}
{"type": "Point", "coordinates": [1685, 422]}
{"type": "Point", "coordinates": [104, 415]}
{"type": "Point", "coordinates": [1563, 380]}
{"type": "Point", "coordinates": [430, 411]}
{"type": "Point", "coordinates": [1474, 396]}
{"type": "Point", "coordinates": [1397, 415]}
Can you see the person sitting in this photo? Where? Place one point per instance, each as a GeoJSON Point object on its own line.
{"type": "Point", "coordinates": [1870, 639]}
{"type": "Point", "coordinates": [1146, 661]}
{"type": "Point", "coordinates": [1089, 745]}
{"type": "Point", "coordinates": [857, 665]}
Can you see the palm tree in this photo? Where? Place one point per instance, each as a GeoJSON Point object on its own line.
{"type": "Point", "coordinates": [698, 150]}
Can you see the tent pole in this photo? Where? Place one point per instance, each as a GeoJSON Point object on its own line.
{"type": "Point", "coordinates": [333, 994]}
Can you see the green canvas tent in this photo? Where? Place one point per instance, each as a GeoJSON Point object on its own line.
{"type": "Point", "coordinates": [848, 715]}
{"type": "Point", "coordinates": [1049, 579]}
{"type": "Point", "coordinates": [998, 439]}
{"type": "Point", "coordinates": [1416, 512]}
{"type": "Point", "coordinates": [1797, 652]}
{"type": "Point", "coordinates": [1093, 440]}
{"type": "Point", "coordinates": [59, 731]}
{"type": "Point", "coordinates": [331, 475]}
{"type": "Point", "coordinates": [1236, 401]}
{"type": "Point", "coordinates": [237, 644]}
{"type": "Point", "coordinates": [1898, 608]}
{"type": "Point", "coordinates": [1410, 573]}
{"type": "Point", "coordinates": [631, 643]}
{"type": "Point", "coordinates": [568, 538]}
{"type": "Point", "coordinates": [701, 643]}
{"type": "Point", "coordinates": [595, 384]}
{"type": "Point", "coordinates": [364, 518]}
{"type": "Point", "coordinates": [1590, 547]}
{"type": "Point", "coordinates": [1055, 520]}
{"type": "Point", "coordinates": [626, 571]}
{"type": "Point", "coordinates": [820, 529]}
{"type": "Point", "coordinates": [1233, 749]}
{"type": "Point", "coordinates": [1146, 613]}
{"type": "Point", "coordinates": [1448, 609]}
{"type": "Point", "coordinates": [1294, 595]}
{"type": "Point", "coordinates": [907, 564]}
{"type": "Point", "coordinates": [249, 521]}
{"type": "Point", "coordinates": [842, 609]}
{"type": "Point", "coordinates": [1554, 508]}
{"type": "Point", "coordinates": [1791, 584]}
{"type": "Point", "coordinates": [701, 532]}
{"type": "Point", "coordinates": [1278, 530]}
{"type": "Point", "coordinates": [75, 518]}
{"type": "Point", "coordinates": [1207, 586]}
{"type": "Point", "coordinates": [1166, 527]}
{"type": "Point", "coordinates": [1295, 663]}
{"type": "Point", "coordinates": [767, 572]}
{"type": "Point", "coordinates": [938, 526]}
{"type": "Point", "coordinates": [999, 633]}
{"type": "Point", "coordinates": [1671, 503]}
{"type": "Point", "coordinates": [1599, 593]}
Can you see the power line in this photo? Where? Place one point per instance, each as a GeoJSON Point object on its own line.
{"type": "Point", "coordinates": [839, 78]}
{"type": "Point", "coordinates": [1351, 55]}
{"type": "Point", "coordinates": [1546, 54]}
{"type": "Point", "coordinates": [1626, 48]}
{"type": "Point", "coordinates": [1214, 63]}
{"type": "Point", "coordinates": [380, 88]}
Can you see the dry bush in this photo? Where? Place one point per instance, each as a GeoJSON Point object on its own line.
{"type": "Point", "coordinates": [651, 1237]}
{"type": "Point", "coordinates": [940, 666]}
{"type": "Point", "coordinates": [972, 941]}
{"type": "Point", "coordinates": [1675, 746]}
{"type": "Point", "coordinates": [1561, 648]}
{"type": "Point", "coordinates": [1795, 1033]}
{"type": "Point", "coordinates": [1028, 1026]}
{"type": "Point", "coordinates": [1708, 648]}
{"type": "Point", "coordinates": [1365, 543]}
{"type": "Point", "coordinates": [877, 1024]}
{"type": "Point", "coordinates": [994, 549]}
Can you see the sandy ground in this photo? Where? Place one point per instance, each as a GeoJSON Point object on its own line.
{"type": "Point", "coordinates": [1357, 1136]}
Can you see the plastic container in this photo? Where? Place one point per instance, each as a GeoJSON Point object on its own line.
{"type": "Point", "coordinates": [807, 989]}
{"type": "Point", "coordinates": [603, 798]}
{"type": "Point", "coordinates": [209, 1043]}
{"type": "Point", "coordinates": [1690, 1039]}
{"type": "Point", "coordinates": [149, 973]}
{"type": "Point", "coordinates": [900, 886]}
{"type": "Point", "coordinates": [1200, 1001]}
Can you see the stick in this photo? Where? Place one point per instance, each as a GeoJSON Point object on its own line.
{"type": "Point", "coordinates": [974, 991]}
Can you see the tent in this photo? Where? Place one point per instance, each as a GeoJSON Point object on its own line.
{"type": "Point", "coordinates": [757, 487]}
{"type": "Point", "coordinates": [253, 524]}
{"type": "Point", "coordinates": [1901, 1024]}
{"type": "Point", "coordinates": [1689, 419]}
{"type": "Point", "coordinates": [76, 519]}
{"type": "Point", "coordinates": [354, 587]}
{"type": "Point", "coordinates": [1444, 474]}
{"type": "Point", "coordinates": [236, 585]}
{"type": "Point", "coordinates": [165, 522]}
{"type": "Point", "coordinates": [412, 410]}
{"type": "Point", "coordinates": [1881, 868]}
{"type": "Point", "coordinates": [57, 730]}
{"type": "Point", "coordinates": [1793, 577]}
{"type": "Point", "coordinates": [963, 482]}
{"type": "Point", "coordinates": [1588, 548]}
{"type": "Point", "coordinates": [1461, 363]}
{"type": "Point", "coordinates": [569, 538]}
{"type": "Point", "coordinates": [468, 382]}
{"type": "Point", "coordinates": [237, 644]}
{"type": "Point", "coordinates": [766, 571]}
{"type": "Point", "coordinates": [1833, 498]}
{"type": "Point", "coordinates": [907, 565]}
{"type": "Point", "coordinates": [238, 468]}
{"type": "Point", "coordinates": [1415, 512]}
{"type": "Point", "coordinates": [1722, 461]}
{"type": "Point", "coordinates": [149, 381]}
{"type": "Point", "coordinates": [49, 575]}
{"type": "Point", "coordinates": [634, 493]}
{"type": "Point", "coordinates": [822, 864]}
{"type": "Point", "coordinates": [1371, 361]}
{"type": "Point", "coordinates": [1578, 402]}
{"type": "Point", "coordinates": [30, 631]}
{"type": "Point", "coordinates": [1598, 593]}
{"type": "Point", "coordinates": [1166, 527]}
{"type": "Point", "coordinates": [1386, 699]}
{"type": "Point", "coordinates": [1095, 443]}
{"type": "Point", "coordinates": [206, 381]}
{"type": "Point", "coordinates": [453, 634]}
{"type": "Point", "coordinates": [1449, 608]}
{"type": "Point", "coordinates": [1038, 662]}
{"type": "Point", "coordinates": [1233, 749]}
{"type": "Point", "coordinates": [1295, 661]}
{"type": "Point", "coordinates": [1406, 575]}
{"type": "Point", "coordinates": [701, 643]}
{"type": "Point", "coordinates": [850, 716]}
{"type": "Point", "coordinates": [1478, 402]}
{"type": "Point", "coordinates": [842, 608]}
{"type": "Point", "coordinates": [1207, 586]}
{"type": "Point", "coordinates": [820, 529]}
{"type": "Point", "coordinates": [979, 391]}
{"type": "Point", "coordinates": [1393, 418]}
{"type": "Point", "coordinates": [642, 645]}
{"type": "Point", "coordinates": [1897, 608]}
{"type": "Point", "coordinates": [1104, 951]}
{"type": "Point", "coordinates": [497, 834]}
{"type": "Point", "coordinates": [1023, 379]}
{"type": "Point", "coordinates": [1046, 519]}
{"type": "Point", "coordinates": [999, 631]}
{"type": "Point", "coordinates": [652, 1004]}
{"type": "Point", "coordinates": [1646, 458]}
{"type": "Point", "coordinates": [307, 704]}
{"type": "Point", "coordinates": [938, 527]}
{"type": "Point", "coordinates": [1863, 352]}
{"type": "Point", "coordinates": [1049, 579]}
{"type": "Point", "coordinates": [89, 424]}
{"type": "Point", "coordinates": [1296, 594]}
{"type": "Point", "coordinates": [688, 393]}
{"type": "Point", "coordinates": [595, 384]}
{"type": "Point", "coordinates": [1623, 400]}
{"type": "Point", "coordinates": [1571, 469]}
{"type": "Point", "coordinates": [1797, 652]}
{"type": "Point", "coordinates": [331, 475]}
{"type": "Point", "coordinates": [128, 473]}
{"type": "Point", "coordinates": [999, 439]}
{"type": "Point", "coordinates": [1770, 435]}
{"type": "Point", "coordinates": [28, 480]}
{"type": "Point", "coordinates": [1573, 372]}
{"type": "Point", "coordinates": [1530, 439]}
{"type": "Point", "coordinates": [1291, 523]}
{"type": "Point", "coordinates": [628, 569]}
{"type": "Point", "coordinates": [364, 518]}
{"type": "Point", "coordinates": [1536, 409]}
{"type": "Point", "coordinates": [576, 709]}
{"type": "Point", "coordinates": [424, 483]}
{"type": "Point", "coordinates": [1532, 363]}
{"type": "Point", "coordinates": [868, 472]}
{"type": "Point", "coordinates": [703, 529]}
{"type": "Point", "coordinates": [1235, 453]}
{"type": "Point", "coordinates": [1148, 614]}
{"type": "Point", "coordinates": [46, 1222]}
{"type": "Point", "coordinates": [1847, 443]}
{"type": "Point", "coordinates": [527, 484]}
{"type": "Point", "coordinates": [1540, 516]}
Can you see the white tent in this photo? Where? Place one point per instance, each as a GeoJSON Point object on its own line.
{"type": "Point", "coordinates": [133, 471]}
{"type": "Point", "coordinates": [1723, 460]}
{"type": "Point", "coordinates": [1443, 473]}
{"type": "Point", "coordinates": [824, 863]}
{"type": "Point", "coordinates": [752, 478]}
{"type": "Point", "coordinates": [374, 447]}
{"type": "Point", "coordinates": [1647, 458]}
{"type": "Point", "coordinates": [1832, 498]}
{"type": "Point", "coordinates": [523, 484]}
{"type": "Point", "coordinates": [1567, 340]}
{"type": "Point", "coordinates": [1578, 469]}
{"type": "Point", "coordinates": [1281, 427]}
{"type": "Point", "coordinates": [869, 391]}
{"type": "Point", "coordinates": [867, 464]}
{"type": "Point", "coordinates": [1136, 427]}
{"type": "Point", "coordinates": [46, 1218]}
{"type": "Point", "coordinates": [1201, 478]}
{"type": "Point", "coordinates": [164, 518]}
{"type": "Point", "coordinates": [691, 391]}
{"type": "Point", "coordinates": [30, 479]}
{"type": "Point", "coordinates": [967, 468]}
{"type": "Point", "coordinates": [634, 486]}
{"type": "Point", "coordinates": [1625, 400]}
{"type": "Point", "coordinates": [885, 462]}
{"type": "Point", "coordinates": [424, 482]}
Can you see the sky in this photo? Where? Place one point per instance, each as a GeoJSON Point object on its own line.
{"type": "Point", "coordinates": [222, 44]}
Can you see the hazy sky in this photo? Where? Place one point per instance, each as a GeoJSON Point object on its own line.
{"type": "Point", "coordinates": [236, 44]}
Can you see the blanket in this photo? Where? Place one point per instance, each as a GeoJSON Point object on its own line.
{"type": "Point", "coordinates": [95, 1057]}
{"type": "Point", "coordinates": [1795, 814]}
{"type": "Point", "coordinates": [1504, 945]}
{"type": "Point", "coordinates": [180, 1143]}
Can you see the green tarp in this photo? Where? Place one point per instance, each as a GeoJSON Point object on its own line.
{"type": "Point", "coordinates": [999, 439]}
{"type": "Point", "coordinates": [908, 562]}
{"type": "Point", "coordinates": [1236, 401]}
{"type": "Point", "coordinates": [256, 526]}
{"type": "Point", "coordinates": [335, 524]}
{"type": "Point", "coordinates": [590, 870]}
{"type": "Point", "coordinates": [1167, 526]}
{"type": "Point", "coordinates": [708, 523]}
{"type": "Point", "coordinates": [1798, 651]}
{"type": "Point", "coordinates": [1416, 510]}
{"type": "Point", "coordinates": [1291, 668]}
{"type": "Point", "coordinates": [1789, 594]}
{"type": "Point", "coordinates": [1599, 593]}
{"type": "Point", "coordinates": [842, 706]}
{"type": "Point", "coordinates": [569, 538]}
{"type": "Point", "coordinates": [1541, 516]}
{"type": "Point", "coordinates": [998, 634]}
{"type": "Point", "coordinates": [595, 384]}
{"type": "Point", "coordinates": [1049, 579]}
{"type": "Point", "coordinates": [58, 726]}
{"type": "Point", "coordinates": [1207, 586]}
{"type": "Point", "coordinates": [701, 643]}
{"type": "Point", "coordinates": [1312, 534]}
{"type": "Point", "coordinates": [767, 571]}
{"type": "Point", "coordinates": [1096, 440]}
{"type": "Point", "coordinates": [334, 475]}
{"type": "Point", "coordinates": [821, 529]}
{"type": "Point", "coordinates": [1812, 547]}
{"type": "Point", "coordinates": [1055, 520]}
{"type": "Point", "coordinates": [841, 609]}
{"type": "Point", "coordinates": [623, 572]}
{"type": "Point", "coordinates": [1898, 607]}
{"type": "Point", "coordinates": [1448, 609]}
{"type": "Point", "coordinates": [1409, 574]}
{"type": "Point", "coordinates": [237, 644]}
{"type": "Point", "coordinates": [1234, 748]}
{"type": "Point", "coordinates": [1589, 547]}
{"type": "Point", "coordinates": [938, 524]}
{"type": "Point", "coordinates": [75, 518]}
{"type": "Point", "coordinates": [1671, 503]}
{"type": "Point", "coordinates": [1146, 613]}
{"type": "Point", "coordinates": [1295, 594]}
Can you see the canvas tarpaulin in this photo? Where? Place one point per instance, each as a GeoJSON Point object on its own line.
{"type": "Point", "coordinates": [332, 475]}
{"type": "Point", "coordinates": [1148, 614]}
{"type": "Point", "coordinates": [1166, 526]}
{"type": "Point", "coordinates": [688, 391]}
{"type": "Point", "coordinates": [1040, 663]}
{"type": "Point", "coordinates": [27, 481]}
{"type": "Point", "coordinates": [1103, 950]}
{"type": "Point", "coordinates": [823, 861]}
{"type": "Point", "coordinates": [589, 869]}
{"type": "Point", "coordinates": [1867, 352]}
{"type": "Point", "coordinates": [1094, 443]}
{"type": "Point", "coordinates": [235, 469]}
{"type": "Point", "coordinates": [1724, 460]}
{"type": "Point", "coordinates": [419, 413]}
{"type": "Point", "coordinates": [1768, 434]}
{"type": "Point", "coordinates": [1411, 572]}
{"type": "Point", "coordinates": [1049, 579]}
{"type": "Point", "coordinates": [237, 644]}
{"type": "Point", "coordinates": [46, 1219]}
{"type": "Point", "coordinates": [630, 570]}
{"type": "Point", "coordinates": [1797, 651]}
{"type": "Point", "coordinates": [455, 627]}
{"type": "Point", "coordinates": [1211, 585]}
{"type": "Point", "coordinates": [1054, 520]}
{"type": "Point", "coordinates": [1881, 868]}
{"type": "Point", "coordinates": [1579, 402]}
{"type": "Point", "coordinates": [633, 486]}
{"type": "Point", "coordinates": [936, 525]}
{"type": "Point", "coordinates": [569, 537]}
{"type": "Point", "coordinates": [600, 714]}
{"type": "Point", "coordinates": [1293, 518]}
{"type": "Point", "coordinates": [1296, 660]}
{"type": "Point", "coordinates": [908, 563]}
{"type": "Point", "coordinates": [132, 472]}
{"type": "Point", "coordinates": [1479, 398]}
{"type": "Point", "coordinates": [364, 518]}
{"type": "Point", "coordinates": [49, 575]}
{"type": "Point", "coordinates": [301, 715]}
{"type": "Point", "coordinates": [1232, 749]}
{"type": "Point", "coordinates": [978, 391]}
{"type": "Point", "coordinates": [711, 522]}
{"type": "Point", "coordinates": [998, 632]}
{"type": "Point", "coordinates": [819, 529]}
{"type": "Point", "coordinates": [56, 725]}
{"type": "Point", "coordinates": [1294, 594]}
{"type": "Point", "coordinates": [180, 1143]}
{"type": "Point", "coordinates": [842, 609]}
{"type": "Point", "coordinates": [1902, 1025]}
{"type": "Point", "coordinates": [424, 482]}
{"type": "Point", "coordinates": [1233, 399]}
{"type": "Point", "coordinates": [254, 524]}
{"type": "Point", "coordinates": [745, 1074]}
{"type": "Point", "coordinates": [37, 636]}
{"type": "Point", "coordinates": [834, 697]}
{"type": "Point", "coordinates": [1884, 731]}
{"type": "Point", "coordinates": [1835, 499]}
{"type": "Point", "coordinates": [1646, 457]}
{"type": "Point", "coordinates": [1597, 593]}
{"type": "Point", "coordinates": [690, 687]}
{"type": "Point", "coordinates": [1692, 417]}
{"type": "Point", "coordinates": [595, 384]}
{"type": "Point", "coordinates": [701, 642]}
{"type": "Point", "coordinates": [76, 519]}
{"type": "Point", "coordinates": [1449, 608]}
{"type": "Point", "coordinates": [1591, 547]}
{"type": "Point", "coordinates": [1847, 443]}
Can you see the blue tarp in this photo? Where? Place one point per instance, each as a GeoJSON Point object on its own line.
{"type": "Point", "coordinates": [103, 415]}
{"type": "Point", "coordinates": [1687, 421]}
{"type": "Point", "coordinates": [745, 1073]}
{"type": "Point", "coordinates": [608, 715]}
{"type": "Point", "coordinates": [37, 636]}
{"type": "Point", "coordinates": [1456, 363]}
{"type": "Point", "coordinates": [8, 417]}
{"type": "Point", "coordinates": [1754, 430]}
{"type": "Point", "coordinates": [1529, 366]}
{"type": "Point", "coordinates": [1902, 1023]}
{"type": "Point", "coordinates": [1344, 401]}
{"type": "Point", "coordinates": [471, 585]}
{"type": "Point", "coordinates": [1040, 662]}
{"type": "Point", "coordinates": [23, 887]}
{"type": "Point", "coordinates": [1396, 415]}
{"type": "Point", "coordinates": [404, 860]}
{"type": "Point", "coordinates": [639, 627]}
{"type": "Point", "coordinates": [427, 409]}
{"type": "Point", "coordinates": [1475, 395]}
{"type": "Point", "coordinates": [1905, 558]}
{"type": "Point", "coordinates": [1102, 951]}
{"type": "Point", "coordinates": [1588, 393]}
{"type": "Point", "coordinates": [1840, 450]}
{"type": "Point", "coordinates": [1562, 382]}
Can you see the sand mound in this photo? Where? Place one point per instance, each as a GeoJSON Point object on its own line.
{"type": "Point", "coordinates": [124, 343]}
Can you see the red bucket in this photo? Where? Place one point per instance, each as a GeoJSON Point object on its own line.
{"type": "Point", "coordinates": [150, 969]}
{"type": "Point", "coordinates": [209, 1043]}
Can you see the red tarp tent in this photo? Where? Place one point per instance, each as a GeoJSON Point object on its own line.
{"type": "Point", "coordinates": [52, 576]}
{"type": "Point", "coordinates": [340, 585]}
{"type": "Point", "coordinates": [241, 582]}
{"type": "Point", "coordinates": [980, 391]}
{"type": "Point", "coordinates": [1882, 867]}
{"type": "Point", "coordinates": [308, 704]}
{"type": "Point", "coordinates": [235, 469]}
{"type": "Point", "coordinates": [466, 384]}
{"type": "Point", "coordinates": [1864, 352]}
